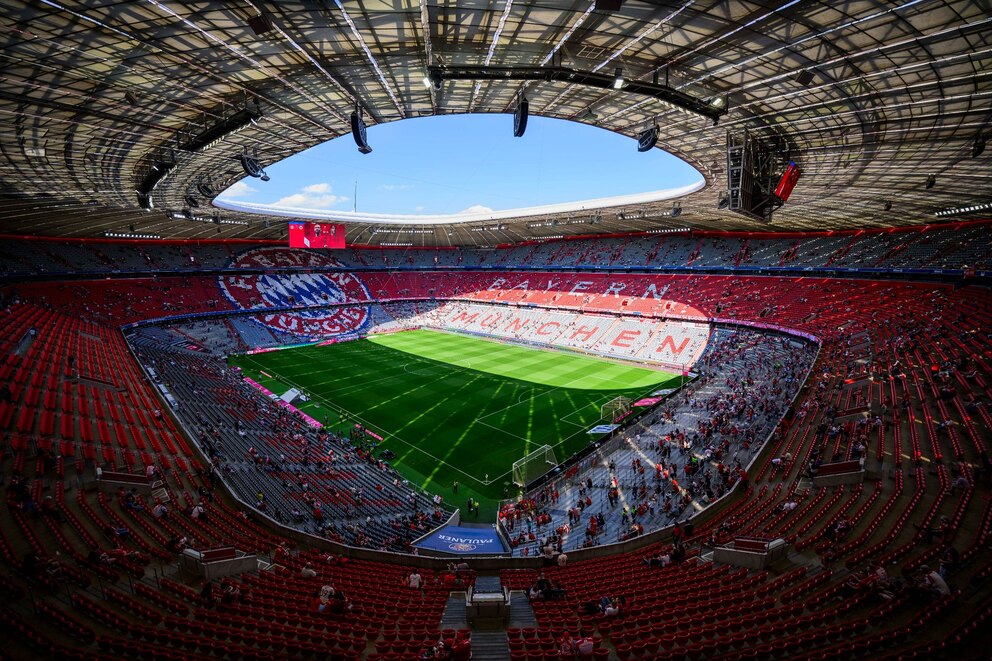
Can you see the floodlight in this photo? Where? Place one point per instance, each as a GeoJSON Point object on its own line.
{"type": "Point", "coordinates": [618, 78]}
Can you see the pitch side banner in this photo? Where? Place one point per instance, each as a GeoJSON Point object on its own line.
{"type": "Point", "coordinates": [464, 541]}
{"type": "Point", "coordinates": [316, 235]}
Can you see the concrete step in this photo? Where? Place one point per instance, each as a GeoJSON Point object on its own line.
{"type": "Point", "coordinates": [454, 612]}
{"type": "Point", "coordinates": [490, 646]}
{"type": "Point", "coordinates": [521, 612]}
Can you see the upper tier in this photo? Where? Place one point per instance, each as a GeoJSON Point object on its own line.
{"type": "Point", "coordinates": [956, 248]}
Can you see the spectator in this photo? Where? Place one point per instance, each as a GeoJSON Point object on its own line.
{"type": "Point", "coordinates": [961, 483]}
{"type": "Point", "coordinates": [207, 593]}
{"type": "Point", "coordinates": [415, 580]}
{"type": "Point", "coordinates": [932, 583]}
{"type": "Point", "coordinates": [308, 571]}
{"type": "Point", "coordinates": [949, 560]}
{"type": "Point", "coordinates": [131, 501]}
{"type": "Point", "coordinates": [659, 560]}
{"type": "Point", "coordinates": [177, 543]}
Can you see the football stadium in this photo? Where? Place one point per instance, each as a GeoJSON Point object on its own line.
{"type": "Point", "coordinates": [723, 395]}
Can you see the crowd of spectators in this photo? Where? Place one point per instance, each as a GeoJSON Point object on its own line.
{"type": "Point", "coordinates": [688, 453]}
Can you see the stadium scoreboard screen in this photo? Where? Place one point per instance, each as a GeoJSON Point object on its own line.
{"type": "Point", "coordinates": [315, 235]}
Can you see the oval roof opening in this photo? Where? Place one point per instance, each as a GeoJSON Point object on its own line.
{"type": "Point", "coordinates": [464, 168]}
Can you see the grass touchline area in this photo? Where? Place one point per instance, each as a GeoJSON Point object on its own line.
{"type": "Point", "coordinates": [455, 407]}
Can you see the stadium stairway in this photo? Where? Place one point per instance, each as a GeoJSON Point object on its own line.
{"type": "Point", "coordinates": [488, 644]}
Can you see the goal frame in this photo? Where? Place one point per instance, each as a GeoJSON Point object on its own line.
{"type": "Point", "coordinates": [533, 466]}
{"type": "Point", "coordinates": [615, 409]}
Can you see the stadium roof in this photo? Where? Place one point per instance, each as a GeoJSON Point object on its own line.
{"type": "Point", "coordinates": [103, 99]}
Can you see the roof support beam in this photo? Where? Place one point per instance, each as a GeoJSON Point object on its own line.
{"type": "Point", "coordinates": [657, 91]}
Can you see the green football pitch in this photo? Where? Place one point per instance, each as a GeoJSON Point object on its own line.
{"type": "Point", "coordinates": [455, 407]}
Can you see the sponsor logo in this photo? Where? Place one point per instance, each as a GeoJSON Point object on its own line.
{"type": "Point", "coordinates": [466, 540]}
{"type": "Point", "coordinates": [304, 290]}
{"type": "Point", "coordinates": [462, 547]}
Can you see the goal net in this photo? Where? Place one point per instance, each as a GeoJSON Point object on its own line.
{"type": "Point", "coordinates": [533, 466]}
{"type": "Point", "coordinates": [615, 409]}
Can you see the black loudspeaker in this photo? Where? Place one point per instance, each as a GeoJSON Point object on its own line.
{"type": "Point", "coordinates": [647, 139]}
{"type": "Point", "coordinates": [804, 77]}
{"type": "Point", "coordinates": [520, 118]}
{"type": "Point", "coordinates": [259, 24]}
{"type": "Point", "coordinates": [608, 5]}
{"type": "Point", "coordinates": [358, 133]}
{"type": "Point", "coordinates": [251, 166]}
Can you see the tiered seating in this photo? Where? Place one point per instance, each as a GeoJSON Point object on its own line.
{"type": "Point", "coordinates": [264, 450]}
{"type": "Point", "coordinates": [924, 346]}
{"type": "Point", "coordinates": [950, 247]}
{"type": "Point", "coordinates": [672, 465]}
{"type": "Point", "coordinates": [68, 389]}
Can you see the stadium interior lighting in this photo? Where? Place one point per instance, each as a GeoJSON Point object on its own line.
{"type": "Point", "coordinates": [670, 230]}
{"type": "Point", "coordinates": [186, 214]}
{"type": "Point", "coordinates": [130, 235]}
{"type": "Point", "coordinates": [226, 221]}
{"type": "Point", "coordinates": [618, 79]}
{"type": "Point", "coordinates": [552, 236]}
{"type": "Point", "coordinates": [402, 230]}
{"type": "Point", "coordinates": [488, 228]}
{"type": "Point", "coordinates": [956, 211]}
{"type": "Point", "coordinates": [397, 244]}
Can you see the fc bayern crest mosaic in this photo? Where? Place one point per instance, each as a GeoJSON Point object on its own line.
{"type": "Point", "coordinates": [306, 290]}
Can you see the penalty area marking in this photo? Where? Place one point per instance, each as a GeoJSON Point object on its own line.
{"type": "Point", "coordinates": [387, 435]}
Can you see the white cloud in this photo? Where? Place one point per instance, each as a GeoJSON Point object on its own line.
{"type": "Point", "coordinates": [314, 196]}
{"type": "Point", "coordinates": [305, 201]}
{"type": "Point", "coordinates": [477, 208]}
{"type": "Point", "coordinates": [419, 207]}
{"type": "Point", "coordinates": [392, 187]}
{"type": "Point", "coordinates": [239, 189]}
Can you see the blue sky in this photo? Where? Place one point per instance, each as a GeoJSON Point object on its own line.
{"type": "Point", "coordinates": [453, 163]}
